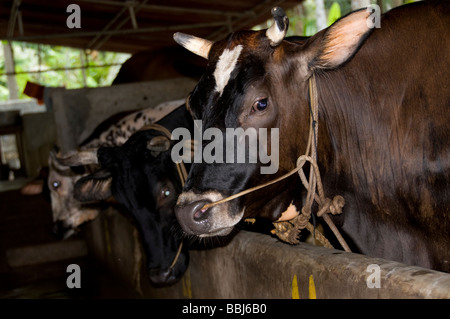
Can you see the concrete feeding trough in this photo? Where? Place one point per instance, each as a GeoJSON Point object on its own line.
{"type": "Point", "coordinates": [257, 266]}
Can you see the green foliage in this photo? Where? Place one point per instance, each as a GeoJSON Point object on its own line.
{"type": "Point", "coordinates": [309, 27]}
{"type": "Point", "coordinates": [302, 19]}
{"type": "Point", "coordinates": [334, 13]}
{"type": "Point", "coordinates": [4, 93]}
{"type": "Point", "coordinates": [34, 57]}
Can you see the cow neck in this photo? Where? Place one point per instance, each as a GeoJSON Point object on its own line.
{"type": "Point", "coordinates": [182, 173]}
{"type": "Point", "coordinates": [288, 228]}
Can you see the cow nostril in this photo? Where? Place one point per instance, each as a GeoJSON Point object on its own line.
{"type": "Point", "coordinates": [60, 229]}
{"type": "Point", "coordinates": [201, 214]}
{"type": "Point", "coordinates": [160, 277]}
{"type": "Point", "coordinates": [192, 217]}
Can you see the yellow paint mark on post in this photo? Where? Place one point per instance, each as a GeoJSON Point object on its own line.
{"type": "Point", "coordinates": [312, 288]}
{"type": "Point", "coordinates": [186, 282]}
{"type": "Point", "coordinates": [295, 292]}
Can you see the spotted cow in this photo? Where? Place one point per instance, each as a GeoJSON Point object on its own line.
{"type": "Point", "coordinates": [69, 213]}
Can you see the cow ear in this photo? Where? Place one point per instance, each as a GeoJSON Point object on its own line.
{"type": "Point", "coordinates": [337, 44]}
{"type": "Point", "coordinates": [93, 187]}
{"type": "Point", "coordinates": [158, 144]}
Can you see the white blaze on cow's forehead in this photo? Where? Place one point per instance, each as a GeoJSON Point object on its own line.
{"type": "Point", "coordinates": [225, 65]}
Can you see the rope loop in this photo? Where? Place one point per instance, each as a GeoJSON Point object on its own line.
{"type": "Point", "coordinates": [314, 186]}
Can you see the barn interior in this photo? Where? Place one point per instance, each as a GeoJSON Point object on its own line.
{"type": "Point", "coordinates": [33, 261]}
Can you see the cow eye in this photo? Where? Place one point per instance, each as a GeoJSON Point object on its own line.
{"type": "Point", "coordinates": [260, 105]}
{"type": "Point", "coordinates": [165, 192]}
{"type": "Point", "coordinates": [56, 184]}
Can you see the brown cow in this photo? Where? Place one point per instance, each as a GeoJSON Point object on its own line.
{"type": "Point", "coordinates": [384, 98]}
{"type": "Point", "coordinates": [167, 63]}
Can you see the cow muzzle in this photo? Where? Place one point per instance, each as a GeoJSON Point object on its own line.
{"type": "Point", "coordinates": [62, 231]}
{"type": "Point", "coordinates": [195, 220]}
{"type": "Point", "coordinates": [161, 278]}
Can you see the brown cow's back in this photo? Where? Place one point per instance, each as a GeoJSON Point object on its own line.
{"type": "Point", "coordinates": [393, 144]}
{"type": "Point", "coordinates": [383, 139]}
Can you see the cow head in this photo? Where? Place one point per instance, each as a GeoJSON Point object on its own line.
{"type": "Point", "coordinates": [142, 177]}
{"type": "Point", "coordinates": [68, 213]}
{"type": "Point", "coordinates": [257, 79]}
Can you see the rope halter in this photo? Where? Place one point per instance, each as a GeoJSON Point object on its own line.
{"type": "Point", "coordinates": [182, 174]}
{"type": "Point", "coordinates": [288, 230]}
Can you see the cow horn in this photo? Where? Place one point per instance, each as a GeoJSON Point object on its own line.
{"type": "Point", "coordinates": [277, 31]}
{"type": "Point", "coordinates": [196, 45]}
{"type": "Point", "coordinates": [84, 157]}
{"type": "Point", "coordinates": [54, 164]}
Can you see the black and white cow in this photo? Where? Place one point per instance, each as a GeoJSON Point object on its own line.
{"type": "Point", "coordinates": [143, 178]}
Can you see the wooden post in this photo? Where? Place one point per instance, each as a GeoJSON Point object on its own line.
{"type": "Point", "coordinates": [10, 69]}
{"type": "Point", "coordinates": [380, 4]}
{"type": "Point", "coordinates": [321, 18]}
{"type": "Point", "coordinates": [396, 3]}
{"type": "Point", "coordinates": [84, 65]}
